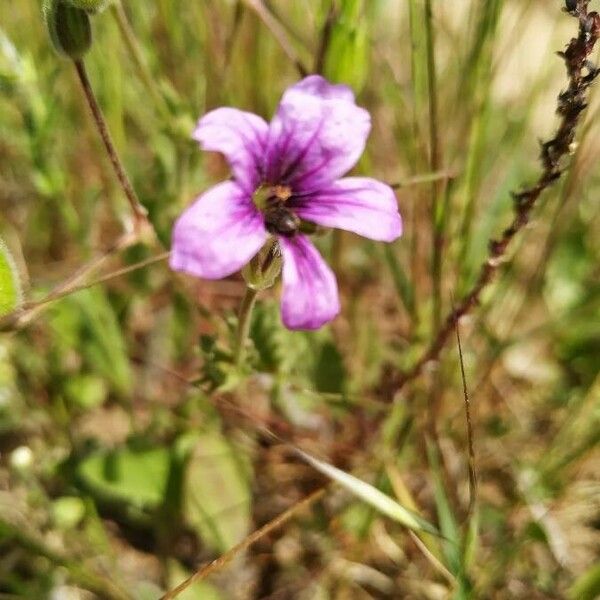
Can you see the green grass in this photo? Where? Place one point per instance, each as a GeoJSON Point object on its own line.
{"type": "Point", "coordinates": [132, 452]}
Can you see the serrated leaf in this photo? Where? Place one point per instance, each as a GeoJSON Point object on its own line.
{"type": "Point", "coordinates": [371, 495]}
{"type": "Point", "coordinates": [265, 335]}
{"type": "Point", "coordinates": [330, 372]}
{"type": "Point", "coordinates": [10, 284]}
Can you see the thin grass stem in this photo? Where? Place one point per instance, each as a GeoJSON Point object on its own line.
{"type": "Point", "coordinates": [220, 562]}
{"type": "Point", "coordinates": [30, 311]}
{"type": "Point", "coordinates": [139, 213]}
{"type": "Point", "coordinates": [279, 33]}
{"type": "Point", "coordinates": [434, 165]}
{"type": "Point", "coordinates": [137, 57]}
{"type": "Point", "coordinates": [571, 106]}
{"type": "Point", "coordinates": [470, 438]}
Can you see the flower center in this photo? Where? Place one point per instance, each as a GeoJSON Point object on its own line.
{"type": "Point", "coordinates": [282, 192]}
{"type": "Point", "coordinates": [279, 218]}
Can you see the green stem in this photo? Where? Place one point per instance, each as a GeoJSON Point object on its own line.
{"type": "Point", "coordinates": [434, 164]}
{"type": "Point", "coordinates": [244, 319]}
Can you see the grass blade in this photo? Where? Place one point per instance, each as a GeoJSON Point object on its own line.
{"type": "Point", "coordinates": [371, 495]}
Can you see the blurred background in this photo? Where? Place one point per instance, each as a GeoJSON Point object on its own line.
{"type": "Point", "coordinates": [128, 458]}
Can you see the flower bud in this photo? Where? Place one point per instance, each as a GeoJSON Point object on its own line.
{"type": "Point", "coordinates": [262, 271]}
{"type": "Point", "coordinates": [69, 28]}
{"type": "Point", "coordinates": [91, 6]}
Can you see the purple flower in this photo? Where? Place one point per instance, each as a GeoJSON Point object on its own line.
{"type": "Point", "coordinates": [285, 172]}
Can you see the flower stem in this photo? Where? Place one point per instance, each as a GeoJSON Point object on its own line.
{"type": "Point", "coordinates": [243, 330]}
{"type": "Point", "coordinates": [138, 210]}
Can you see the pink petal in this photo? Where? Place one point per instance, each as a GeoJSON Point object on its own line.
{"type": "Point", "coordinates": [310, 294]}
{"type": "Point", "coordinates": [319, 86]}
{"type": "Point", "coordinates": [316, 136]}
{"type": "Point", "coordinates": [359, 204]}
{"type": "Point", "coordinates": [218, 234]}
{"type": "Point", "coordinates": [241, 137]}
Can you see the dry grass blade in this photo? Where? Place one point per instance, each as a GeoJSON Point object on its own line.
{"type": "Point", "coordinates": [370, 494]}
{"type": "Point", "coordinates": [470, 442]}
{"type": "Point", "coordinates": [427, 545]}
{"type": "Point", "coordinates": [279, 33]}
{"type": "Point", "coordinates": [218, 563]}
{"type": "Point", "coordinates": [570, 106]}
{"type": "Point", "coordinates": [25, 316]}
{"type": "Point", "coordinates": [443, 175]}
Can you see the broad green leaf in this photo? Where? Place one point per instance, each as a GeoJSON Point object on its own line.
{"type": "Point", "coordinates": [371, 495]}
{"type": "Point", "coordinates": [136, 477]}
{"type": "Point", "coordinates": [10, 284]}
{"type": "Point", "coordinates": [216, 493]}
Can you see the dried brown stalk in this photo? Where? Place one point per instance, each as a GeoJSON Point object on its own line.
{"type": "Point", "coordinates": [571, 103]}
{"type": "Point", "coordinates": [138, 211]}
{"type": "Point", "coordinates": [216, 564]}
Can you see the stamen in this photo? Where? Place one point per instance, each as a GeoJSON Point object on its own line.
{"type": "Point", "coordinates": [282, 192]}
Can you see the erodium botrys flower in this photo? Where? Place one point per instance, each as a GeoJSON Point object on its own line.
{"type": "Point", "coordinates": [283, 174]}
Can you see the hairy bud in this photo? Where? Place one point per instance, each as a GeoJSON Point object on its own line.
{"type": "Point", "coordinates": [91, 6]}
{"type": "Point", "coordinates": [69, 28]}
{"type": "Point", "coordinates": [262, 271]}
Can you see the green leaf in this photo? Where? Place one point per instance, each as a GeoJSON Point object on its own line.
{"type": "Point", "coordinates": [330, 372]}
{"type": "Point", "coordinates": [403, 285]}
{"type": "Point", "coordinates": [214, 364]}
{"type": "Point", "coordinates": [347, 56]}
{"type": "Point", "coordinates": [67, 512]}
{"type": "Point", "coordinates": [448, 524]}
{"type": "Point", "coordinates": [266, 335]}
{"type": "Point", "coordinates": [587, 586]}
{"type": "Point", "coordinates": [10, 284]}
{"type": "Point", "coordinates": [216, 494]}
{"type": "Point", "coordinates": [371, 495]}
{"type": "Point", "coordinates": [136, 477]}
{"type": "Point", "coordinates": [86, 391]}
{"type": "Point", "coordinates": [88, 320]}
